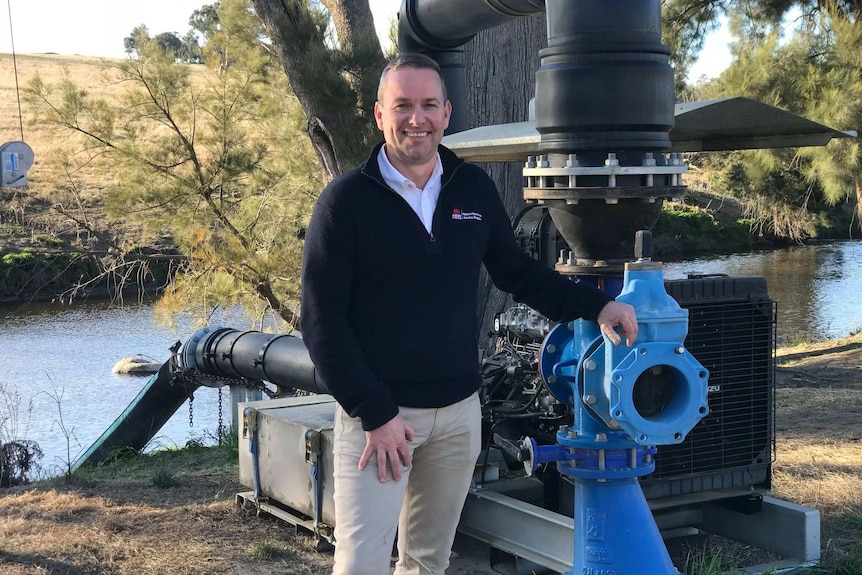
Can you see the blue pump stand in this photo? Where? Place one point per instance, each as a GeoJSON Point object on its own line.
{"type": "Point", "coordinates": [615, 532]}
{"type": "Point", "coordinates": [612, 440]}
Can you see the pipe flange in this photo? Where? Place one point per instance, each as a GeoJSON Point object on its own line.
{"type": "Point", "coordinates": [686, 406]}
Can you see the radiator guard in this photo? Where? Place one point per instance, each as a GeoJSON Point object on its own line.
{"type": "Point", "coordinates": [732, 332]}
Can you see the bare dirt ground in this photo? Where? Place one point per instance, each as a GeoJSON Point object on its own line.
{"type": "Point", "coordinates": [114, 521]}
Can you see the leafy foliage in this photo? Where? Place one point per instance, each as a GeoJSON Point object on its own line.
{"type": "Point", "coordinates": [813, 71]}
{"type": "Point", "coordinates": [217, 160]}
{"type": "Point", "coordinates": [19, 458]}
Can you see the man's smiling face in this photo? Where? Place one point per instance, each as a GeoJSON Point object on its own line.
{"type": "Point", "coordinates": [412, 113]}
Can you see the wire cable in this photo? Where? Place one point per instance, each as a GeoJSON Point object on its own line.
{"type": "Point", "coordinates": [15, 67]}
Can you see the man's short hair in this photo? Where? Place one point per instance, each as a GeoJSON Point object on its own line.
{"type": "Point", "coordinates": [411, 60]}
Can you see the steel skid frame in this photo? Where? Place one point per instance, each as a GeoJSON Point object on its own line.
{"type": "Point", "coordinates": [504, 514]}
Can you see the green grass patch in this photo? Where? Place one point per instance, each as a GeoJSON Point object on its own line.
{"type": "Point", "coordinates": [48, 240]}
{"type": "Point", "coordinates": [849, 564]}
{"type": "Point", "coordinates": [165, 477]}
{"type": "Point", "coordinates": [267, 549]}
{"type": "Point", "coordinates": [709, 562]}
{"type": "Point", "coordinates": [131, 466]}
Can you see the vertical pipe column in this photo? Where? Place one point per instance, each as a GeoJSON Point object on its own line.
{"type": "Point", "coordinates": [605, 83]}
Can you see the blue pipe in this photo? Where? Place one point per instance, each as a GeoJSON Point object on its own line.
{"type": "Point", "coordinates": [626, 400]}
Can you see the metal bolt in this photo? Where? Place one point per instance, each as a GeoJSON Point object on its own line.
{"type": "Point", "coordinates": [612, 160]}
{"type": "Point", "coordinates": [572, 434]}
{"type": "Point", "coordinates": [573, 161]}
{"type": "Point", "coordinates": [590, 399]}
{"type": "Point", "coordinates": [601, 437]}
{"type": "Point", "coordinates": [551, 348]}
{"type": "Point", "coordinates": [590, 365]}
{"type": "Point", "coordinates": [649, 160]}
{"type": "Point", "coordinates": [614, 424]}
{"type": "Point", "coordinates": [543, 161]}
{"type": "Point", "coordinates": [679, 350]}
{"type": "Point", "coordinates": [531, 162]}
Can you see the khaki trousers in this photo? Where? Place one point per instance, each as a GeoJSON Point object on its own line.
{"type": "Point", "coordinates": [424, 506]}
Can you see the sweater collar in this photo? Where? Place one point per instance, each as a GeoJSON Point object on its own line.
{"type": "Point", "coordinates": [450, 162]}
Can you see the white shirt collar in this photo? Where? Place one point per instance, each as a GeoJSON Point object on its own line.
{"type": "Point", "coordinates": [396, 180]}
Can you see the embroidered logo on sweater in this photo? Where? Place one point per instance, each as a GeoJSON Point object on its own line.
{"type": "Point", "coordinates": [459, 215]}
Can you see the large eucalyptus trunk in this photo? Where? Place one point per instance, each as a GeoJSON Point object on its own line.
{"type": "Point", "coordinates": [333, 86]}
{"type": "Point", "coordinates": [501, 78]}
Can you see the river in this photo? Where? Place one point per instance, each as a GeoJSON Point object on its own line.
{"type": "Point", "coordinates": [68, 351]}
{"type": "Point", "coordinates": [55, 372]}
{"type": "Point", "coordinates": [817, 287]}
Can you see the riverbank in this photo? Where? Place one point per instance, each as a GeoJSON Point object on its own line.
{"type": "Point", "coordinates": [174, 513]}
{"type": "Point", "coordinates": [54, 261]}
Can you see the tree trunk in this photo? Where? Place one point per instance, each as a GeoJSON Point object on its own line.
{"type": "Point", "coordinates": [340, 130]}
{"type": "Point", "coordinates": [500, 83]}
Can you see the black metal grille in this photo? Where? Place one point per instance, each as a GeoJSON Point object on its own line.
{"type": "Point", "coordinates": [732, 333]}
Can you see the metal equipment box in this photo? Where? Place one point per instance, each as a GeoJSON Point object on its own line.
{"type": "Point", "coordinates": [293, 435]}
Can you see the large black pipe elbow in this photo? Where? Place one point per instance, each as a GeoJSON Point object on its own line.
{"type": "Point", "coordinates": [449, 23]}
{"type": "Point", "coordinates": [440, 28]}
{"type": "Point", "coordinates": [277, 358]}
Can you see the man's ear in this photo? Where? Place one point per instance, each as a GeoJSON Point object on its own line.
{"type": "Point", "coordinates": [378, 115]}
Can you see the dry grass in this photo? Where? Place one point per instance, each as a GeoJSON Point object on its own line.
{"type": "Point", "coordinates": [31, 211]}
{"type": "Point", "coordinates": [819, 462]}
{"type": "Point", "coordinates": [116, 522]}
{"type": "Point", "coordinates": [46, 140]}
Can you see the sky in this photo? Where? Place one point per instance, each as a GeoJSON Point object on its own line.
{"type": "Point", "coordinates": [98, 27]}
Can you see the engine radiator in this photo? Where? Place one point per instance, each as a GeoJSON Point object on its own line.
{"type": "Point", "coordinates": [732, 332]}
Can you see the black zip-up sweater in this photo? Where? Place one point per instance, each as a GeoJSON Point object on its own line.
{"type": "Point", "coordinates": [389, 313]}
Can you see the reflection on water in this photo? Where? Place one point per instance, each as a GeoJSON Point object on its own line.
{"type": "Point", "coordinates": [72, 349]}
{"type": "Point", "coordinates": [817, 287]}
{"type": "Point", "coordinates": [69, 351]}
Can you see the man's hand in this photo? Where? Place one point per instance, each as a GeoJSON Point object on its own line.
{"type": "Point", "coordinates": [389, 442]}
{"type": "Point", "coordinates": [615, 314]}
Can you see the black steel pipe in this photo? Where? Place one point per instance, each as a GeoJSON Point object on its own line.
{"type": "Point", "coordinates": [439, 24]}
{"type": "Point", "coordinates": [605, 82]}
{"type": "Point", "coordinates": [277, 358]}
{"type": "Point", "coordinates": [440, 28]}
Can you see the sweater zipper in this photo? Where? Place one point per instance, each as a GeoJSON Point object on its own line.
{"type": "Point", "coordinates": [440, 200]}
{"type": "Point", "coordinates": [431, 238]}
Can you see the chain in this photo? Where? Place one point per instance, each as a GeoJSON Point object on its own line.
{"type": "Point", "coordinates": [191, 377]}
{"type": "Point", "coordinates": [220, 427]}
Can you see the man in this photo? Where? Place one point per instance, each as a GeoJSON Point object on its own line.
{"type": "Point", "coordinates": [390, 276]}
